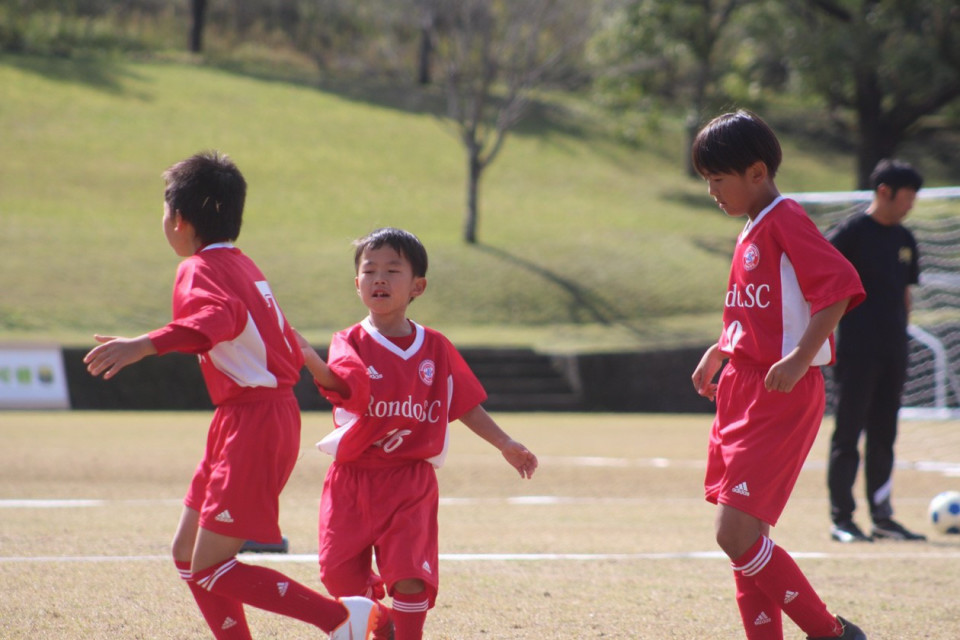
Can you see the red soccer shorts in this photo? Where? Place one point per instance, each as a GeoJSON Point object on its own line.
{"type": "Point", "coordinates": [760, 440]}
{"type": "Point", "coordinates": [391, 512]}
{"type": "Point", "coordinates": [251, 450]}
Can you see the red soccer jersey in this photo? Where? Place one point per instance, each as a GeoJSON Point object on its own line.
{"type": "Point", "coordinates": [400, 400]}
{"type": "Point", "coordinates": [783, 272]}
{"type": "Point", "coordinates": [220, 293]}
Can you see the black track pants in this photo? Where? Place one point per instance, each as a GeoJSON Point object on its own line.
{"type": "Point", "coordinates": [869, 387]}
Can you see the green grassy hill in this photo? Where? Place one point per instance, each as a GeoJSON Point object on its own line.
{"type": "Point", "coordinates": [585, 242]}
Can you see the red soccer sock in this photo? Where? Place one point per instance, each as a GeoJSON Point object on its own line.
{"type": "Point", "coordinates": [409, 615]}
{"type": "Point", "coordinates": [777, 575]}
{"type": "Point", "coordinates": [761, 616]}
{"type": "Point", "coordinates": [272, 591]}
{"type": "Point", "coordinates": [224, 616]}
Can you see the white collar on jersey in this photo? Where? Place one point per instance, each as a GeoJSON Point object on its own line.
{"type": "Point", "coordinates": [388, 344]}
{"type": "Point", "coordinates": [752, 223]}
{"type": "Point", "coordinates": [218, 245]}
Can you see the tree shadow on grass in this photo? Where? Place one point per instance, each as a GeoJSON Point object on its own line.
{"type": "Point", "coordinates": [552, 123]}
{"type": "Point", "coordinates": [544, 119]}
{"type": "Point", "coordinates": [582, 301]}
{"type": "Point", "coordinates": [98, 72]}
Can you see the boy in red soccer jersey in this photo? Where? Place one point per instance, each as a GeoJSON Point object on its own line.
{"type": "Point", "coordinates": [788, 289]}
{"type": "Point", "coordinates": [395, 385]}
{"type": "Point", "coordinates": [225, 312]}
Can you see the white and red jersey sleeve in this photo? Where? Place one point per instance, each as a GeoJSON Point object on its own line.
{"type": "Point", "coordinates": [783, 272]}
{"type": "Point", "coordinates": [401, 401]}
{"type": "Point", "coordinates": [220, 293]}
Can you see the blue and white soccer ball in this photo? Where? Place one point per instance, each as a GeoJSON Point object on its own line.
{"type": "Point", "coordinates": [945, 512]}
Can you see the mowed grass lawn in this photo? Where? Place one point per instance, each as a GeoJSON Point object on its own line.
{"type": "Point", "coordinates": [610, 539]}
{"type": "Point", "coordinates": [577, 228]}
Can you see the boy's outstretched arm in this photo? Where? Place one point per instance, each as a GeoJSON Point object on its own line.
{"type": "Point", "coordinates": [114, 353]}
{"type": "Point", "coordinates": [316, 365]}
{"type": "Point", "coordinates": [785, 374]}
{"type": "Point", "coordinates": [519, 457]}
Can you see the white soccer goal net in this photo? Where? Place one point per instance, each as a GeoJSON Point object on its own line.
{"type": "Point", "coordinates": [933, 374]}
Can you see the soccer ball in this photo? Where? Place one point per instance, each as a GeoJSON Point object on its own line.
{"type": "Point", "coordinates": [945, 512]}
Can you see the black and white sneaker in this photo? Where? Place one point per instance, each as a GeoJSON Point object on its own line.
{"type": "Point", "coordinates": [892, 530]}
{"type": "Point", "coordinates": [850, 632]}
{"type": "Point", "coordinates": [848, 531]}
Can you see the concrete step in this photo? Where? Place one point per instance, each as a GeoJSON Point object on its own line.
{"type": "Point", "coordinates": [533, 402]}
{"type": "Point", "coordinates": [522, 380]}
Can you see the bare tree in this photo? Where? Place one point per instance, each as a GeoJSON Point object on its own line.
{"type": "Point", "coordinates": [198, 14]}
{"type": "Point", "coordinates": [493, 55]}
{"type": "Point", "coordinates": [428, 25]}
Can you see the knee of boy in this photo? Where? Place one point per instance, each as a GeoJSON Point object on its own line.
{"type": "Point", "coordinates": [735, 542]}
{"type": "Point", "coordinates": [410, 586]}
{"type": "Point", "coordinates": [341, 582]}
{"type": "Point", "coordinates": [181, 552]}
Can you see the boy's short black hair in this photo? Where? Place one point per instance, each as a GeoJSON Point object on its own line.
{"type": "Point", "coordinates": [896, 175]}
{"type": "Point", "coordinates": [732, 142]}
{"type": "Point", "coordinates": [209, 191]}
{"type": "Point", "coordinates": [403, 242]}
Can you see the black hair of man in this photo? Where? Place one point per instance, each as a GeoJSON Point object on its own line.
{"type": "Point", "coordinates": [896, 175]}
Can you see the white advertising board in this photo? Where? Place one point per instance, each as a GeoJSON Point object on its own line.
{"type": "Point", "coordinates": [32, 377]}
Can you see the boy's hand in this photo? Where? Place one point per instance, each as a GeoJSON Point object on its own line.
{"type": "Point", "coordinates": [784, 375]}
{"type": "Point", "coordinates": [115, 353]}
{"type": "Point", "coordinates": [317, 366]}
{"type": "Point", "coordinates": [520, 458]}
{"type": "Point", "coordinates": [703, 375]}
{"type": "Point", "coordinates": [301, 341]}
{"type": "Point", "coordinates": [311, 358]}
{"type": "Point", "coordinates": [310, 354]}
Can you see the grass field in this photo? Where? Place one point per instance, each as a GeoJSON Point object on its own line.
{"type": "Point", "coordinates": [587, 241]}
{"type": "Point", "coordinates": [577, 228]}
{"type": "Point", "coordinates": [610, 539]}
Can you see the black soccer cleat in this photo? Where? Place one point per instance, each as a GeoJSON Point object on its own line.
{"type": "Point", "coordinates": [850, 632]}
{"type": "Point", "coordinates": [848, 531]}
{"type": "Point", "coordinates": [892, 530]}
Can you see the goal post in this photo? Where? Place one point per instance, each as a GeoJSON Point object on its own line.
{"type": "Point", "coordinates": [932, 389]}
{"type": "Point", "coordinates": [942, 385]}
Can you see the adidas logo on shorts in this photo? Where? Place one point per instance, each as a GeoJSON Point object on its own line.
{"type": "Point", "coordinates": [742, 489]}
{"type": "Point", "coordinates": [282, 588]}
{"type": "Point", "coordinates": [225, 517]}
{"type": "Point", "coordinates": [789, 597]}
{"type": "Point", "coordinates": [763, 618]}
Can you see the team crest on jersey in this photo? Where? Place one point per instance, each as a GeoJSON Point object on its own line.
{"type": "Point", "coordinates": [427, 370]}
{"type": "Point", "coordinates": [751, 257]}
